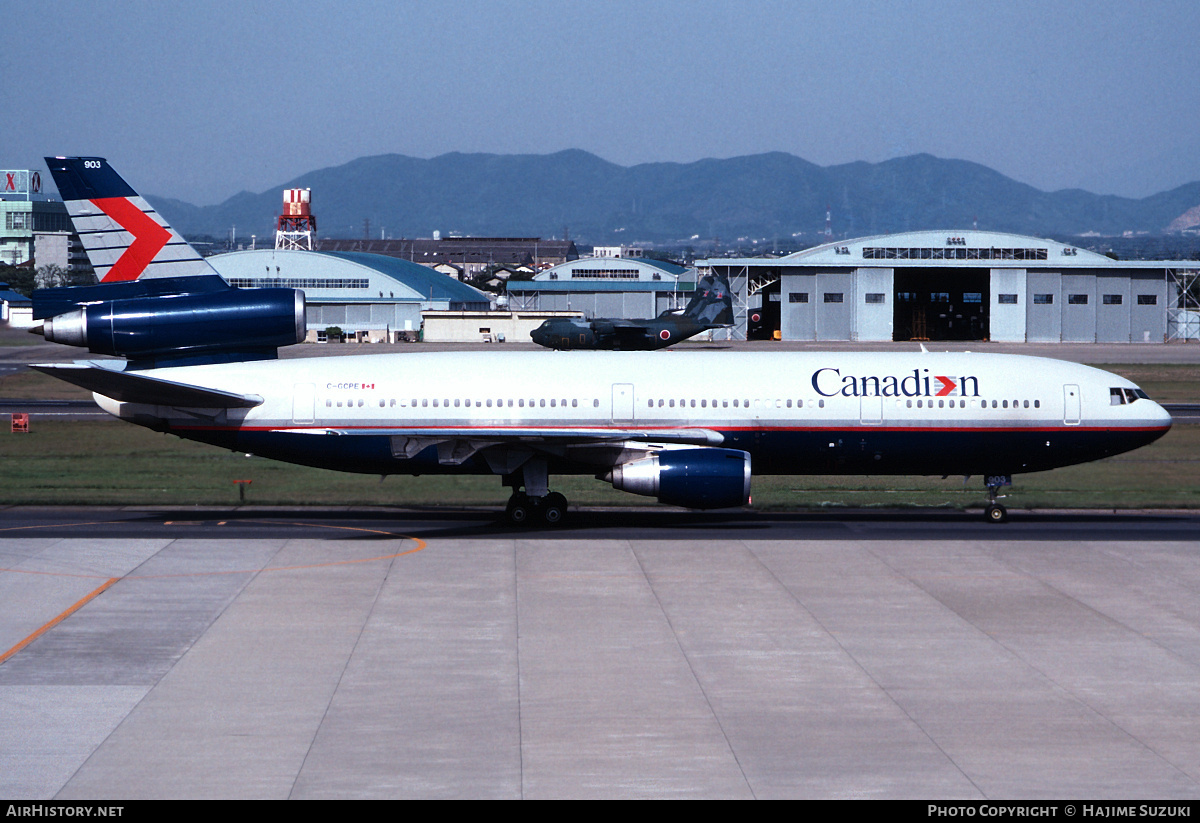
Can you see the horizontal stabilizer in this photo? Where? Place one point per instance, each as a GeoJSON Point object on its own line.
{"type": "Point", "coordinates": [137, 387]}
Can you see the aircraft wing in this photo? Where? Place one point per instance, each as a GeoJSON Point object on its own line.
{"type": "Point", "coordinates": [505, 449]}
{"type": "Point", "coordinates": [134, 387]}
{"type": "Point", "coordinates": [533, 435]}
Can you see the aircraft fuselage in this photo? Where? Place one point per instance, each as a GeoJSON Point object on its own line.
{"type": "Point", "coordinates": [794, 413]}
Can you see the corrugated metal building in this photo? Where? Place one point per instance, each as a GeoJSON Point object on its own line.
{"type": "Point", "coordinates": [606, 287]}
{"type": "Point", "coordinates": [959, 285]}
{"type": "Point", "coordinates": [370, 296]}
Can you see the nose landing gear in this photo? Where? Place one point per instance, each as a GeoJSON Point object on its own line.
{"type": "Point", "coordinates": [996, 513]}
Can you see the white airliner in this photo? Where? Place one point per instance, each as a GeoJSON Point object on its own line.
{"type": "Point", "coordinates": [687, 428]}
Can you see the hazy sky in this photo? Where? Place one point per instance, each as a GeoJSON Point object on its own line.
{"type": "Point", "coordinates": [201, 100]}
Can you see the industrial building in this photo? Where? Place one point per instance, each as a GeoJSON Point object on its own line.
{"type": "Point", "coordinates": [371, 297]}
{"type": "Point", "coordinates": [470, 255]}
{"type": "Point", "coordinates": [35, 229]}
{"type": "Point", "coordinates": [606, 287]}
{"type": "Point", "coordinates": [963, 285]}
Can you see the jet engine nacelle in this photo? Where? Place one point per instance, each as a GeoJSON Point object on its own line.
{"type": "Point", "coordinates": [147, 327]}
{"type": "Point", "coordinates": [695, 478]}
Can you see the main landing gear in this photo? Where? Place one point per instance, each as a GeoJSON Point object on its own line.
{"type": "Point", "coordinates": [535, 504]}
{"type": "Point", "coordinates": [996, 513]}
{"type": "Point", "coordinates": [549, 510]}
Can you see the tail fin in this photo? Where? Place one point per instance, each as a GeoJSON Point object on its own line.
{"type": "Point", "coordinates": [124, 237]}
{"type": "Point", "coordinates": [713, 304]}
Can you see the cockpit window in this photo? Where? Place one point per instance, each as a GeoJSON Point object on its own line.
{"type": "Point", "coordinates": [1121, 397]}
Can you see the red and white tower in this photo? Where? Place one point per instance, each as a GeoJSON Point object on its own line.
{"type": "Point", "coordinates": [297, 226]}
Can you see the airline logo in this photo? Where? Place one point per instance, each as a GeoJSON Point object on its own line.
{"type": "Point", "coordinates": [148, 238]}
{"type": "Point", "coordinates": [830, 382]}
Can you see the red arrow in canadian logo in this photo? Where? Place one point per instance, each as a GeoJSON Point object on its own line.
{"type": "Point", "coordinates": [148, 238]}
{"type": "Point", "coordinates": [948, 385]}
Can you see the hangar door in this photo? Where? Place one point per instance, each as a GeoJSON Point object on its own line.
{"type": "Point", "coordinates": [941, 304]}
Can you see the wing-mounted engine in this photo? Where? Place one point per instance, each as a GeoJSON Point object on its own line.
{"type": "Point", "coordinates": [173, 321]}
{"type": "Point", "coordinates": [695, 478]}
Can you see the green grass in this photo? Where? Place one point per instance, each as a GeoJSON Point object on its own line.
{"type": "Point", "coordinates": [119, 464]}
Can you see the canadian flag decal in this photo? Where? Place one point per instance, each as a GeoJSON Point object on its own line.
{"type": "Point", "coordinates": [148, 238]}
{"type": "Point", "coordinates": [949, 387]}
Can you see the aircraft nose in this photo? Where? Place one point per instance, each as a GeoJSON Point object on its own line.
{"type": "Point", "coordinates": [1163, 417]}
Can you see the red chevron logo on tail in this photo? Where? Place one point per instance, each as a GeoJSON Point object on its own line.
{"type": "Point", "coordinates": [148, 238]}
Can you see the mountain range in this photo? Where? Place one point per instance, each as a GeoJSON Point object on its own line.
{"type": "Point", "coordinates": [774, 195]}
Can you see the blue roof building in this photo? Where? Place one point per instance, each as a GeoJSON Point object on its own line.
{"type": "Point", "coordinates": [368, 295]}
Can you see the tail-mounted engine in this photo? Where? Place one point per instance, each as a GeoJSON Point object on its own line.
{"type": "Point", "coordinates": [695, 478]}
{"type": "Point", "coordinates": [173, 321]}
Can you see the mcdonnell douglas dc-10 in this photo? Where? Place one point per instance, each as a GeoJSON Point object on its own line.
{"type": "Point", "coordinates": [687, 428]}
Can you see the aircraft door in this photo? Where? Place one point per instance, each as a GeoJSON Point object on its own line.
{"type": "Point", "coordinates": [1071, 404]}
{"type": "Point", "coordinates": [622, 401]}
{"type": "Point", "coordinates": [871, 411]}
{"type": "Point", "coordinates": [304, 402]}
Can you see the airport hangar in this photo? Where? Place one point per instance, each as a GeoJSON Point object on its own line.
{"type": "Point", "coordinates": [371, 297]}
{"type": "Point", "coordinates": [960, 285]}
{"type": "Point", "coordinates": [620, 287]}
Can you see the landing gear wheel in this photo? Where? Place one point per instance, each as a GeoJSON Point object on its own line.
{"type": "Point", "coordinates": [995, 513]}
{"type": "Point", "coordinates": [554, 509]}
{"type": "Point", "coordinates": [519, 510]}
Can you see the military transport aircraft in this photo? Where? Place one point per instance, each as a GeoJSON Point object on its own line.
{"type": "Point", "coordinates": [687, 428]}
{"type": "Point", "coordinates": [711, 308]}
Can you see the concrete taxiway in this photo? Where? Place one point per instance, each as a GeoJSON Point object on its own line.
{"type": "Point", "coordinates": [268, 653]}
